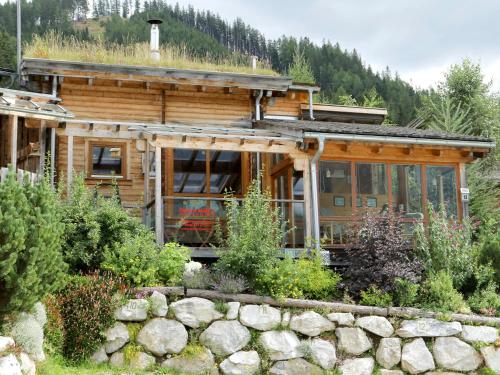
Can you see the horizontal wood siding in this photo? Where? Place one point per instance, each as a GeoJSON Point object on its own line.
{"type": "Point", "coordinates": [288, 105]}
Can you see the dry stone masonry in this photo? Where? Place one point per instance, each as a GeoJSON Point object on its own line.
{"type": "Point", "coordinates": [196, 335]}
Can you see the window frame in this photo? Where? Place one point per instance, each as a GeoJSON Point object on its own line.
{"type": "Point", "coordinates": [90, 163]}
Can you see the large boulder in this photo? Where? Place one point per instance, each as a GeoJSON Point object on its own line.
{"type": "Point", "coordinates": [311, 323]}
{"type": "Point", "coordinates": [389, 352]}
{"type": "Point", "coordinates": [141, 361]}
{"type": "Point", "coordinates": [260, 317]}
{"type": "Point", "coordinates": [135, 310]}
{"type": "Point", "coordinates": [28, 334]}
{"type": "Point", "coordinates": [28, 367]}
{"type": "Point", "coordinates": [479, 333]}
{"type": "Point", "coordinates": [100, 356]}
{"type": "Point", "coordinates": [281, 345]}
{"type": "Point", "coordinates": [428, 327]}
{"type": "Point", "coordinates": [358, 366]}
{"type": "Point", "coordinates": [116, 337]}
{"type": "Point", "coordinates": [492, 357]}
{"type": "Point", "coordinates": [241, 363]}
{"type": "Point", "coordinates": [161, 336]}
{"type": "Point", "coordinates": [342, 319]}
{"type": "Point", "coordinates": [201, 362]}
{"type": "Point", "coordinates": [323, 353]}
{"type": "Point", "coordinates": [159, 305]}
{"type": "Point", "coordinates": [117, 359]}
{"type": "Point", "coordinates": [195, 311]}
{"type": "Point", "coordinates": [9, 365]}
{"type": "Point", "coordinates": [353, 340]}
{"type": "Point", "coordinates": [6, 343]}
{"type": "Point", "coordinates": [297, 366]}
{"type": "Point", "coordinates": [225, 337]}
{"type": "Point", "coordinates": [285, 319]}
{"type": "Point", "coordinates": [377, 325]}
{"type": "Point", "coordinates": [232, 310]}
{"type": "Point", "coordinates": [384, 371]}
{"type": "Point", "coordinates": [453, 354]}
{"type": "Point", "coordinates": [416, 358]}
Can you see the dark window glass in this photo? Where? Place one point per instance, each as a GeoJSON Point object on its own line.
{"type": "Point", "coordinates": [190, 171]}
{"type": "Point", "coordinates": [335, 188]}
{"type": "Point", "coordinates": [372, 186]}
{"type": "Point", "coordinates": [442, 188]}
{"type": "Point", "coordinates": [407, 190]}
{"type": "Point", "coordinates": [225, 172]}
{"type": "Point", "coordinates": [107, 161]}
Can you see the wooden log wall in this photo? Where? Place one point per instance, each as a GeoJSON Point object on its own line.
{"type": "Point", "coordinates": [288, 105]}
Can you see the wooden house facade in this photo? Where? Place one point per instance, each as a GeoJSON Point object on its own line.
{"type": "Point", "coordinates": [175, 141]}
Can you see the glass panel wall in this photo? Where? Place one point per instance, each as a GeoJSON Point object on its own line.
{"type": "Point", "coordinates": [442, 188]}
{"type": "Point", "coordinates": [407, 190]}
{"type": "Point", "coordinates": [190, 172]}
{"type": "Point", "coordinates": [335, 198]}
{"type": "Point", "coordinates": [371, 186]}
{"type": "Point", "coordinates": [225, 172]}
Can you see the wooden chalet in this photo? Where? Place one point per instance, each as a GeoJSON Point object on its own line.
{"type": "Point", "coordinates": [174, 141]}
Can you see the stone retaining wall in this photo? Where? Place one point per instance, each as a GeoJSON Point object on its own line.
{"type": "Point", "coordinates": [197, 335]}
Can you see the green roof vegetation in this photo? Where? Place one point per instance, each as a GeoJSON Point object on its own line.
{"type": "Point", "coordinates": [54, 46]}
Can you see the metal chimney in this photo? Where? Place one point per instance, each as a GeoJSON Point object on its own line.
{"type": "Point", "coordinates": [155, 38]}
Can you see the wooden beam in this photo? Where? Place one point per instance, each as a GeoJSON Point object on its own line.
{"type": "Point", "coordinates": [201, 88]}
{"type": "Point", "coordinates": [437, 152]}
{"type": "Point", "coordinates": [409, 150]}
{"type": "Point", "coordinates": [41, 139]}
{"type": "Point", "coordinates": [13, 142]}
{"type": "Point", "coordinates": [306, 174]}
{"type": "Point", "coordinates": [347, 147]}
{"type": "Point", "coordinates": [69, 172]}
{"type": "Point", "coordinates": [145, 219]}
{"type": "Point", "coordinates": [158, 197]}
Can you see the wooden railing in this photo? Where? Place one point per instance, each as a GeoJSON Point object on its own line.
{"type": "Point", "coordinates": [21, 175]}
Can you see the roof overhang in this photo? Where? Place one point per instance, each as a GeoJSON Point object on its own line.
{"type": "Point", "coordinates": [32, 66]}
{"type": "Point", "coordinates": [341, 113]}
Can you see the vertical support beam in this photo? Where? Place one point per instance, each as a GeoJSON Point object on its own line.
{"type": "Point", "coordinates": [158, 197]}
{"type": "Point", "coordinates": [13, 142]}
{"type": "Point", "coordinates": [307, 199]}
{"type": "Point", "coordinates": [52, 156]}
{"type": "Point", "coordinates": [41, 139]}
{"type": "Point", "coordinates": [69, 178]}
{"type": "Point", "coordinates": [388, 171]}
{"type": "Point", "coordinates": [315, 191]}
{"type": "Point", "coordinates": [145, 216]}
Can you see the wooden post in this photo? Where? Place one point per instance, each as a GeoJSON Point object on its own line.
{"type": "Point", "coordinates": [158, 197]}
{"type": "Point", "coordinates": [145, 217]}
{"type": "Point", "coordinates": [13, 142]}
{"type": "Point", "coordinates": [463, 184]}
{"type": "Point", "coordinates": [52, 156]}
{"type": "Point", "coordinates": [307, 199]}
{"type": "Point", "coordinates": [70, 164]}
{"type": "Point", "coordinates": [41, 139]}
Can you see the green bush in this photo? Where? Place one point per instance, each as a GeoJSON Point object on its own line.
{"type": "Point", "coordinates": [405, 293]}
{"type": "Point", "coordinates": [305, 277]}
{"type": "Point", "coordinates": [252, 237]}
{"type": "Point", "coordinates": [54, 328]}
{"type": "Point", "coordinates": [486, 301]}
{"type": "Point", "coordinates": [373, 296]}
{"type": "Point", "coordinates": [135, 260]}
{"type": "Point", "coordinates": [87, 308]}
{"type": "Point", "coordinates": [171, 262]}
{"type": "Point", "coordinates": [490, 253]}
{"type": "Point", "coordinates": [446, 246]}
{"type": "Point", "coordinates": [30, 244]}
{"type": "Point", "coordinates": [437, 293]}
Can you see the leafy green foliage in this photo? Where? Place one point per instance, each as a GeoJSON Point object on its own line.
{"type": "Point", "coordinates": [445, 246]}
{"type": "Point", "coordinates": [299, 69]}
{"type": "Point", "coordinates": [373, 296]}
{"type": "Point", "coordinates": [87, 307]}
{"type": "Point", "coordinates": [438, 293]}
{"type": "Point", "coordinates": [490, 252]}
{"type": "Point", "coordinates": [486, 300]}
{"type": "Point", "coordinates": [405, 293]}
{"type": "Point", "coordinates": [380, 253]}
{"type": "Point", "coordinates": [253, 235]}
{"type": "Point", "coordinates": [54, 328]}
{"type": "Point", "coordinates": [31, 263]}
{"type": "Point", "coordinates": [305, 277]}
{"type": "Point", "coordinates": [171, 261]}
{"type": "Point", "coordinates": [449, 117]}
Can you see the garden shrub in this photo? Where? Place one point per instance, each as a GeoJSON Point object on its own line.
{"type": "Point", "coordinates": [135, 260]}
{"type": "Point", "coordinates": [30, 243]}
{"type": "Point", "coordinates": [229, 283]}
{"type": "Point", "coordinates": [405, 293]}
{"type": "Point", "coordinates": [380, 253]}
{"type": "Point", "coordinates": [445, 245]}
{"type": "Point", "coordinates": [87, 307]}
{"type": "Point", "coordinates": [438, 293]}
{"type": "Point", "coordinates": [252, 237]}
{"type": "Point", "coordinates": [490, 253]}
{"type": "Point", "coordinates": [305, 277]}
{"type": "Point", "coordinates": [486, 301]}
{"type": "Point", "coordinates": [54, 328]}
{"type": "Point", "coordinates": [373, 296]}
{"type": "Point", "coordinates": [171, 262]}
{"type": "Point", "coordinates": [200, 279]}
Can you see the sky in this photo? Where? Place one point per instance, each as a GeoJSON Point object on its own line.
{"type": "Point", "coordinates": [418, 39]}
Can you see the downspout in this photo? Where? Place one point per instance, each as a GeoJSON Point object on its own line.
{"type": "Point", "coordinates": [257, 105]}
{"type": "Point", "coordinates": [311, 105]}
{"type": "Point", "coordinates": [314, 188]}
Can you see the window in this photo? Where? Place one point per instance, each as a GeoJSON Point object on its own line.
{"type": "Point", "coordinates": [442, 188]}
{"type": "Point", "coordinates": [335, 195]}
{"type": "Point", "coordinates": [371, 186]}
{"type": "Point", "coordinates": [202, 172]}
{"type": "Point", "coordinates": [107, 160]}
{"type": "Point", "coordinates": [407, 190]}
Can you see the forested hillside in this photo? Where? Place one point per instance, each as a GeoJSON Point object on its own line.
{"type": "Point", "coordinates": [341, 74]}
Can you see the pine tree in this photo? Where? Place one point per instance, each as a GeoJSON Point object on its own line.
{"type": "Point", "coordinates": [300, 70]}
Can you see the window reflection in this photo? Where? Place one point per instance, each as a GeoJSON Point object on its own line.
{"type": "Point", "coordinates": [371, 186]}
{"type": "Point", "coordinates": [189, 171]}
{"type": "Point", "coordinates": [335, 188]}
{"type": "Point", "coordinates": [407, 190]}
{"type": "Point", "coordinates": [225, 172]}
{"type": "Point", "coordinates": [107, 161]}
{"type": "Point", "coordinates": [441, 188]}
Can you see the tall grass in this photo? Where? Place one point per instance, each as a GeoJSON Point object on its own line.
{"type": "Point", "coordinates": [54, 46]}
